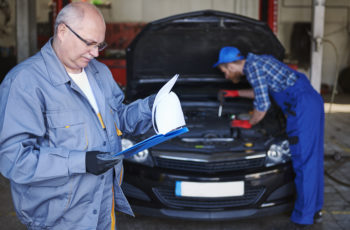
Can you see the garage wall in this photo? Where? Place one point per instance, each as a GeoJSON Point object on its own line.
{"type": "Point", "coordinates": [337, 25]}
{"type": "Point", "coordinates": [134, 11]}
{"type": "Point", "coordinates": [7, 30]}
{"type": "Point", "coordinates": [149, 10]}
{"type": "Point", "coordinates": [42, 9]}
{"type": "Point", "coordinates": [336, 32]}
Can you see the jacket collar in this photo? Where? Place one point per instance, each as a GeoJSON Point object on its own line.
{"type": "Point", "coordinates": [55, 69]}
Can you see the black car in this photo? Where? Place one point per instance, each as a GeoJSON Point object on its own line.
{"type": "Point", "coordinates": [214, 171]}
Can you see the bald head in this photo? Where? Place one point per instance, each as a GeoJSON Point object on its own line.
{"type": "Point", "coordinates": [75, 13]}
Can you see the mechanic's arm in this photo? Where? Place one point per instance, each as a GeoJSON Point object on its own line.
{"type": "Point", "coordinates": [247, 93]}
{"type": "Point", "coordinates": [257, 116]}
{"type": "Point", "coordinates": [25, 154]}
{"type": "Point", "coordinates": [261, 94]}
{"type": "Point", "coordinates": [135, 118]}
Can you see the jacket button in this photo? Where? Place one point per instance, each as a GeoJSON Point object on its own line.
{"type": "Point", "coordinates": [104, 143]}
{"type": "Point", "coordinates": [95, 211]}
{"type": "Point", "coordinates": [102, 177]}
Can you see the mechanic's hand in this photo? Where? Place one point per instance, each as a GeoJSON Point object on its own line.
{"type": "Point", "coordinates": [241, 124]}
{"type": "Point", "coordinates": [229, 93]}
{"type": "Point", "coordinates": [99, 162]}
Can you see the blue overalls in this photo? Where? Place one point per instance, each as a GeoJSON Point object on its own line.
{"type": "Point", "coordinates": [304, 110]}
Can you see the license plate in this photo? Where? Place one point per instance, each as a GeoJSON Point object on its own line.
{"type": "Point", "coordinates": [209, 189]}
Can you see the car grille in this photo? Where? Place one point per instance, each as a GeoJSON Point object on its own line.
{"type": "Point", "coordinates": [210, 167]}
{"type": "Point", "coordinates": [167, 196]}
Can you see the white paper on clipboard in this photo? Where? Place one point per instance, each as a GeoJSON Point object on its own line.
{"type": "Point", "coordinates": [167, 113]}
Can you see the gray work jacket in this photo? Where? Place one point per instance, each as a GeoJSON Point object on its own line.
{"type": "Point", "coordinates": [46, 126]}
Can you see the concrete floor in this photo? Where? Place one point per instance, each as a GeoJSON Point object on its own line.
{"type": "Point", "coordinates": [337, 188]}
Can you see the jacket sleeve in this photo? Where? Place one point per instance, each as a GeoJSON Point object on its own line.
{"type": "Point", "coordinates": [25, 155]}
{"type": "Point", "coordinates": [135, 118]}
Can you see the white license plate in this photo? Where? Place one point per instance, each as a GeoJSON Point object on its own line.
{"type": "Point", "coordinates": [209, 189]}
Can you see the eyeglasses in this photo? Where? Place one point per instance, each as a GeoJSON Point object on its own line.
{"type": "Point", "coordinates": [100, 46]}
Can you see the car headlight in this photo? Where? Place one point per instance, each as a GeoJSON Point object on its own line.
{"type": "Point", "coordinates": [278, 153]}
{"type": "Point", "coordinates": [142, 157]}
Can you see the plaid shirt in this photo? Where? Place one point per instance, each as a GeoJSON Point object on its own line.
{"type": "Point", "coordinates": [266, 73]}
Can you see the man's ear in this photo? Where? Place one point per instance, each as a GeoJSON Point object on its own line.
{"type": "Point", "coordinates": [61, 30]}
{"type": "Point", "coordinates": [230, 66]}
{"type": "Point", "coordinates": [241, 63]}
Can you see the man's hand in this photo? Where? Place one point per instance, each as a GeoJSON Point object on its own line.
{"type": "Point", "coordinates": [257, 116]}
{"type": "Point", "coordinates": [99, 162]}
{"type": "Point", "coordinates": [241, 124]}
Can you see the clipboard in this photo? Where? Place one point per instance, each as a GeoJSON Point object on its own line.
{"type": "Point", "coordinates": [151, 141]}
{"type": "Point", "coordinates": [167, 119]}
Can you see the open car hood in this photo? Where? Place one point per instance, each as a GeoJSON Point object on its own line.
{"type": "Point", "coordinates": [189, 44]}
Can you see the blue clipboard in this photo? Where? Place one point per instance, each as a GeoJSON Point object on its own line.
{"type": "Point", "coordinates": [150, 142]}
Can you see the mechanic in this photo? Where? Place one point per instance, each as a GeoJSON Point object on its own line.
{"type": "Point", "coordinates": [61, 112]}
{"type": "Point", "coordinates": [303, 108]}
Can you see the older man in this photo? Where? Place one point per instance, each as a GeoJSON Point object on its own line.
{"type": "Point", "coordinates": [59, 111]}
{"type": "Point", "coordinates": [303, 108]}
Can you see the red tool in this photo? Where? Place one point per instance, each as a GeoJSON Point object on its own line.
{"type": "Point", "coordinates": [241, 124]}
{"type": "Point", "coordinates": [225, 94]}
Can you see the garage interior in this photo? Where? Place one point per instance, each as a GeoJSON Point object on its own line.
{"type": "Point", "coordinates": [315, 34]}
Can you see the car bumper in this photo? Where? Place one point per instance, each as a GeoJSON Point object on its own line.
{"type": "Point", "coordinates": [213, 215]}
{"type": "Point", "coordinates": [151, 192]}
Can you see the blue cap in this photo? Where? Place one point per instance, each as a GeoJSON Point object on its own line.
{"type": "Point", "coordinates": [228, 54]}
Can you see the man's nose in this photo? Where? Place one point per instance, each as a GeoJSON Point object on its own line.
{"type": "Point", "coordinates": [94, 51]}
